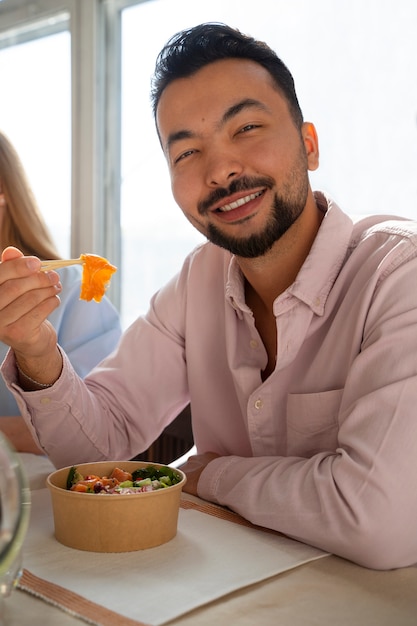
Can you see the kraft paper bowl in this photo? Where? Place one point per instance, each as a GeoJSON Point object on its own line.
{"type": "Point", "coordinates": [113, 523]}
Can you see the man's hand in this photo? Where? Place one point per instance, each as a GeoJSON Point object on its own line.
{"type": "Point", "coordinates": [193, 469]}
{"type": "Point", "coordinates": [27, 297]}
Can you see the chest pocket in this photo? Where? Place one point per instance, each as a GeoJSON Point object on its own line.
{"type": "Point", "coordinates": [312, 424]}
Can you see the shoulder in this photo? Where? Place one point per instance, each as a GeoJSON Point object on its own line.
{"type": "Point", "coordinates": [201, 280]}
{"type": "Point", "coordinates": [381, 245]}
{"type": "Point", "coordinates": [393, 236]}
{"type": "Point", "coordinates": [206, 258]}
{"type": "Point", "coordinates": [385, 227]}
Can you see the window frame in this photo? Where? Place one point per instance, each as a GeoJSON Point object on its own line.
{"type": "Point", "coordinates": [111, 52]}
{"type": "Point", "coordinates": [86, 117]}
{"type": "Point", "coordinates": [95, 27]}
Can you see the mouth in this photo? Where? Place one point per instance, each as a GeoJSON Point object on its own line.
{"type": "Point", "coordinates": [231, 206]}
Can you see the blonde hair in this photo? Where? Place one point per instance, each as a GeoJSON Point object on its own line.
{"type": "Point", "coordinates": [22, 224]}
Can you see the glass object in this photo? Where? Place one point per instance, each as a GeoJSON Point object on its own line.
{"type": "Point", "coordinates": [14, 518]}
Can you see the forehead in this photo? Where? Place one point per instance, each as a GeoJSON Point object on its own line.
{"type": "Point", "coordinates": [212, 89]}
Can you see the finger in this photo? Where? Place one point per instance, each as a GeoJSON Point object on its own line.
{"type": "Point", "coordinates": [16, 303]}
{"type": "Point", "coordinates": [11, 253]}
{"type": "Point", "coordinates": [19, 283]}
{"type": "Point", "coordinates": [18, 265]}
{"type": "Point", "coordinates": [21, 316]}
{"type": "Point", "coordinates": [31, 329]}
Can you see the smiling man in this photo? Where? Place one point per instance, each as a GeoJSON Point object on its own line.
{"type": "Point", "coordinates": [239, 161]}
{"type": "Point", "coordinates": [292, 331]}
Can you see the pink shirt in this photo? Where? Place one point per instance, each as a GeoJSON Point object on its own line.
{"type": "Point", "coordinates": [325, 450]}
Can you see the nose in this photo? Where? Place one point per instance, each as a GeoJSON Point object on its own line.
{"type": "Point", "coordinates": [221, 167]}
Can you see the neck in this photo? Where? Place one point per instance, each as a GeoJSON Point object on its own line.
{"type": "Point", "coordinates": [270, 275]}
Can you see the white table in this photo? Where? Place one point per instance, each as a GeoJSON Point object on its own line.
{"type": "Point", "coordinates": [328, 591]}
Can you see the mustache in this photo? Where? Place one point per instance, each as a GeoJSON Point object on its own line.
{"type": "Point", "coordinates": [239, 184]}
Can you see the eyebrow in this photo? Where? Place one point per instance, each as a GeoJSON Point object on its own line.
{"type": "Point", "coordinates": [177, 136]}
{"type": "Point", "coordinates": [235, 109]}
{"type": "Point", "coordinates": [229, 114]}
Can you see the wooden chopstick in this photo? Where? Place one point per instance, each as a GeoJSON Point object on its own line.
{"type": "Point", "coordinates": [57, 263]}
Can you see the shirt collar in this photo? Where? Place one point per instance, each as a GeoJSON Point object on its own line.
{"type": "Point", "coordinates": [320, 269]}
{"type": "Point", "coordinates": [235, 287]}
{"type": "Point", "coordinates": [326, 257]}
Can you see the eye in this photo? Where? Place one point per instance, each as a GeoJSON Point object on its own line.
{"type": "Point", "coordinates": [248, 127]}
{"type": "Point", "coordinates": [183, 155]}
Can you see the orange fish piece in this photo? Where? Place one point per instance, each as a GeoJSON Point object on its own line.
{"type": "Point", "coordinates": [97, 272]}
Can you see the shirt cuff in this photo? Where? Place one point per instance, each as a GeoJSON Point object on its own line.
{"type": "Point", "coordinates": [208, 486]}
{"type": "Point", "coordinates": [9, 372]}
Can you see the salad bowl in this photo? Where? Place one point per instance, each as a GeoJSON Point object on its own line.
{"type": "Point", "coordinates": [114, 521]}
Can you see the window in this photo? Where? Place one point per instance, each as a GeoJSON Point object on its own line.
{"type": "Point", "coordinates": [35, 114]}
{"type": "Point", "coordinates": [53, 109]}
{"type": "Point", "coordinates": [355, 76]}
{"type": "Point", "coordinates": [85, 131]}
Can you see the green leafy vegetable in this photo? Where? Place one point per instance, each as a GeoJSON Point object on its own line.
{"type": "Point", "coordinates": [156, 473]}
{"type": "Point", "coordinates": [73, 477]}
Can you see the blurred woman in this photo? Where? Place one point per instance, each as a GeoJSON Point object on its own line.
{"type": "Point", "coordinates": [86, 331]}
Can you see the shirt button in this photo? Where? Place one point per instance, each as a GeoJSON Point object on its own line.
{"type": "Point", "coordinates": [258, 404]}
{"type": "Point", "coordinates": [45, 400]}
{"type": "Point", "coordinates": [253, 343]}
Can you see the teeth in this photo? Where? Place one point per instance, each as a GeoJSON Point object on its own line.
{"type": "Point", "coordinates": [240, 202]}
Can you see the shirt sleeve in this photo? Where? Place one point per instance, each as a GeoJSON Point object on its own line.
{"type": "Point", "coordinates": [122, 405]}
{"type": "Point", "coordinates": [359, 500]}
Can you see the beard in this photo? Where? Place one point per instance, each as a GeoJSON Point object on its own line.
{"type": "Point", "coordinates": [287, 206]}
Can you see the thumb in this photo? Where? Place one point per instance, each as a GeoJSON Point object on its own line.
{"type": "Point", "coordinates": [10, 253]}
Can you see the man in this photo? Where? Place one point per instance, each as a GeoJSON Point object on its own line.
{"type": "Point", "coordinates": [292, 332]}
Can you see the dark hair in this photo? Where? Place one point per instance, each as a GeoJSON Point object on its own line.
{"type": "Point", "coordinates": [190, 50]}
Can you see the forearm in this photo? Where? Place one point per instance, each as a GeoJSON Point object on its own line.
{"type": "Point", "coordinates": [320, 502]}
{"type": "Point", "coordinates": [66, 435]}
{"type": "Point", "coordinates": [77, 422]}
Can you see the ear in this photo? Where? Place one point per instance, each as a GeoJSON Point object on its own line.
{"type": "Point", "coordinates": [311, 144]}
